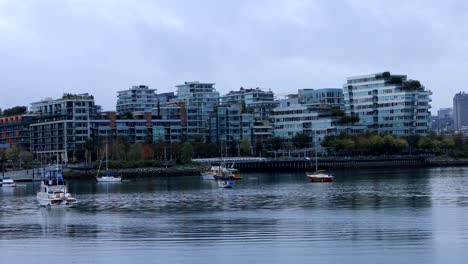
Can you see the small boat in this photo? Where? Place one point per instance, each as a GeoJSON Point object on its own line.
{"type": "Point", "coordinates": [53, 192]}
{"type": "Point", "coordinates": [108, 177]}
{"type": "Point", "coordinates": [225, 183]}
{"type": "Point", "coordinates": [319, 176]}
{"type": "Point", "coordinates": [7, 182]}
{"type": "Point", "coordinates": [220, 172]}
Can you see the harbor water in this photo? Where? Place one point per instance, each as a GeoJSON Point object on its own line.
{"type": "Point", "coordinates": [401, 215]}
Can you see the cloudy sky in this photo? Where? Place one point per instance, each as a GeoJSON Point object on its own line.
{"type": "Point", "coordinates": [101, 46]}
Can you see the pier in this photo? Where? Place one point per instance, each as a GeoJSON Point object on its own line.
{"type": "Point", "coordinates": [25, 175]}
{"type": "Point", "coordinates": [307, 164]}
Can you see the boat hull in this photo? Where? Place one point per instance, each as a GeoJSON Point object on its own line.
{"type": "Point", "coordinates": [318, 179]}
{"type": "Point", "coordinates": [56, 203]}
{"type": "Point", "coordinates": [7, 182]}
{"type": "Point", "coordinates": [108, 179]}
{"type": "Point", "coordinates": [225, 184]}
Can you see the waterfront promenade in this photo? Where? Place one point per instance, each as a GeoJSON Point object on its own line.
{"type": "Point", "coordinates": [254, 164]}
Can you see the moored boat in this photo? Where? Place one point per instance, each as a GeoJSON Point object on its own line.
{"type": "Point", "coordinates": [108, 177]}
{"type": "Point", "coordinates": [320, 177]}
{"type": "Point", "coordinates": [225, 183]}
{"type": "Point", "coordinates": [7, 182]}
{"type": "Point", "coordinates": [220, 172]}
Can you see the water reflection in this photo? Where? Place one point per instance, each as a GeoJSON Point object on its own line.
{"type": "Point", "coordinates": [367, 211]}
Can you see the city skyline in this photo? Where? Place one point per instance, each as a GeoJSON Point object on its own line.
{"type": "Point", "coordinates": [282, 46]}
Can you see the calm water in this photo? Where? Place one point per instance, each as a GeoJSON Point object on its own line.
{"type": "Point", "coordinates": [365, 216]}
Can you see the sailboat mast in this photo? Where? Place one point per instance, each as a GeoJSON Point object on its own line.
{"type": "Point", "coordinates": [315, 139]}
{"type": "Point", "coordinates": [106, 160]}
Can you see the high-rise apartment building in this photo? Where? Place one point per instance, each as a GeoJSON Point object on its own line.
{"type": "Point", "coordinates": [14, 131]}
{"type": "Point", "coordinates": [200, 102]}
{"type": "Point", "coordinates": [322, 98]}
{"type": "Point", "coordinates": [61, 124]}
{"type": "Point", "coordinates": [388, 104]}
{"type": "Point", "coordinates": [139, 98]}
{"type": "Point", "coordinates": [460, 110]}
{"type": "Point", "coordinates": [253, 100]}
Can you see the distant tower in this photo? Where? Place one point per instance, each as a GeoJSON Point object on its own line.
{"type": "Point", "coordinates": [460, 110]}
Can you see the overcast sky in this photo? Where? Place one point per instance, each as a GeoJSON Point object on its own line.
{"type": "Point", "coordinates": [102, 46]}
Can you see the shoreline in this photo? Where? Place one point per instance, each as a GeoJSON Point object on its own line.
{"type": "Point", "coordinates": [272, 165]}
{"type": "Point", "coordinates": [185, 170]}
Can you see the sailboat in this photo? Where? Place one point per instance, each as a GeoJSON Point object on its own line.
{"type": "Point", "coordinates": [108, 177]}
{"type": "Point", "coordinates": [53, 192]}
{"type": "Point", "coordinates": [318, 176]}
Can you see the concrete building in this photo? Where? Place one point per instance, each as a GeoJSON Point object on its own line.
{"type": "Point", "coordinates": [143, 128]}
{"type": "Point", "coordinates": [61, 125]}
{"type": "Point", "coordinates": [200, 102]}
{"type": "Point", "coordinates": [324, 98]}
{"type": "Point", "coordinates": [388, 104]}
{"type": "Point", "coordinates": [226, 126]}
{"type": "Point", "coordinates": [290, 119]}
{"type": "Point", "coordinates": [253, 100]}
{"type": "Point", "coordinates": [443, 123]}
{"type": "Point", "coordinates": [14, 131]}
{"type": "Point", "coordinates": [460, 110]}
{"type": "Point", "coordinates": [138, 98]}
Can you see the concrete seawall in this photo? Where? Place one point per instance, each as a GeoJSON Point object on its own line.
{"type": "Point", "coordinates": [25, 175]}
{"type": "Point", "coordinates": [261, 165]}
{"type": "Point", "coordinates": [307, 165]}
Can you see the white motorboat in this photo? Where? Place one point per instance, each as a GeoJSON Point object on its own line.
{"type": "Point", "coordinates": [7, 182]}
{"type": "Point", "coordinates": [53, 192]}
{"type": "Point", "coordinates": [108, 177]}
{"type": "Point", "coordinates": [221, 172]}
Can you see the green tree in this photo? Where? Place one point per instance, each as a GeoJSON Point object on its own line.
{"type": "Point", "coordinates": [80, 153]}
{"type": "Point", "coordinates": [258, 148]}
{"type": "Point", "coordinates": [362, 143]}
{"type": "Point", "coordinates": [186, 153]}
{"type": "Point", "coordinates": [388, 144]}
{"type": "Point", "coordinates": [245, 147]}
{"type": "Point", "coordinates": [300, 141]}
{"type": "Point", "coordinates": [376, 144]}
{"type": "Point", "coordinates": [275, 143]}
{"type": "Point", "coordinates": [337, 112]}
{"type": "Point", "coordinates": [425, 144]}
{"type": "Point", "coordinates": [135, 152]}
{"type": "Point", "coordinates": [447, 144]}
{"type": "Point", "coordinates": [401, 144]}
{"type": "Point", "coordinates": [89, 149]}
{"type": "Point", "coordinates": [12, 153]}
{"type": "Point", "coordinates": [126, 115]}
{"type": "Point", "coordinates": [17, 110]}
{"type": "Point", "coordinates": [26, 157]}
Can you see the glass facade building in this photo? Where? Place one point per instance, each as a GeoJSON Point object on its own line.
{"type": "Point", "coordinates": [137, 99]}
{"type": "Point", "coordinates": [61, 124]}
{"type": "Point", "coordinates": [200, 102]}
{"type": "Point", "coordinates": [388, 104]}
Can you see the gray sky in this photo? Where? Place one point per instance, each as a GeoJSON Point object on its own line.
{"type": "Point", "coordinates": [102, 46]}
